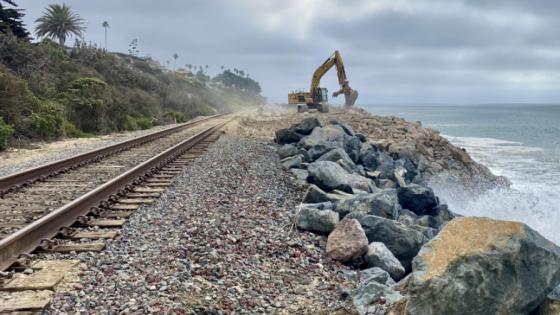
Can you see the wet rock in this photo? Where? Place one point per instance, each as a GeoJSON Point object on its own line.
{"type": "Point", "coordinates": [418, 199]}
{"type": "Point", "coordinates": [292, 162]}
{"type": "Point", "coordinates": [328, 176]}
{"type": "Point", "coordinates": [307, 125]}
{"type": "Point", "coordinates": [378, 255]}
{"type": "Point", "coordinates": [375, 274]}
{"type": "Point", "coordinates": [316, 194]}
{"type": "Point", "coordinates": [315, 220]}
{"type": "Point", "coordinates": [383, 203]}
{"type": "Point", "coordinates": [485, 267]}
{"type": "Point", "coordinates": [287, 135]}
{"type": "Point", "coordinates": [287, 150]}
{"type": "Point", "coordinates": [404, 242]}
{"type": "Point", "coordinates": [335, 155]}
{"type": "Point", "coordinates": [374, 160]}
{"type": "Point", "coordinates": [347, 242]}
{"type": "Point", "coordinates": [427, 221]}
{"type": "Point", "coordinates": [442, 214]}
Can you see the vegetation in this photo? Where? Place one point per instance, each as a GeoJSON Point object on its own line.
{"type": "Point", "coordinates": [48, 90]}
{"type": "Point", "coordinates": [10, 20]}
{"type": "Point", "coordinates": [5, 132]}
{"type": "Point", "coordinates": [59, 22]}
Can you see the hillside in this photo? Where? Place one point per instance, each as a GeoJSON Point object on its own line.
{"type": "Point", "coordinates": [47, 91]}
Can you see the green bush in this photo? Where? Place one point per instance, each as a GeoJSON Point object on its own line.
{"type": "Point", "coordinates": [144, 123]}
{"type": "Point", "coordinates": [5, 132]}
{"type": "Point", "coordinates": [86, 101]}
{"type": "Point", "coordinates": [174, 117]}
{"type": "Point", "coordinates": [130, 123]}
{"type": "Point", "coordinates": [48, 122]}
{"type": "Point", "coordinates": [71, 131]}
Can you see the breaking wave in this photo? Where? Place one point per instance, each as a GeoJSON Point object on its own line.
{"type": "Point", "coordinates": [534, 197]}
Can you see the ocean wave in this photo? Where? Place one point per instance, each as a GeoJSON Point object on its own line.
{"type": "Point", "coordinates": [533, 198]}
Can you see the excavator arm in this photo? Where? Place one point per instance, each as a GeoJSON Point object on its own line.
{"type": "Point", "coordinates": [350, 95]}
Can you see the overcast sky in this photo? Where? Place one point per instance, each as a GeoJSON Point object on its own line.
{"type": "Point", "coordinates": [416, 51]}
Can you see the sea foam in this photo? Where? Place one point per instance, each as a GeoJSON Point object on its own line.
{"type": "Point", "coordinates": [534, 197]}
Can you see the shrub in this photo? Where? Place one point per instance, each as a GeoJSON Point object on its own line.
{"type": "Point", "coordinates": [176, 117]}
{"type": "Point", "coordinates": [5, 132]}
{"type": "Point", "coordinates": [71, 131]}
{"type": "Point", "coordinates": [48, 122]}
{"type": "Point", "coordinates": [144, 123]}
{"type": "Point", "coordinates": [130, 123]}
{"type": "Point", "coordinates": [86, 101]}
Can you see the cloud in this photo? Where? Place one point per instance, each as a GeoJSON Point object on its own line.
{"type": "Point", "coordinates": [395, 51]}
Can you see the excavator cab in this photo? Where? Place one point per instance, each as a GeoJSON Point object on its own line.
{"type": "Point", "coordinates": [322, 95]}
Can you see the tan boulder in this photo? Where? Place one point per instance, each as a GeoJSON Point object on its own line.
{"type": "Point", "coordinates": [348, 241]}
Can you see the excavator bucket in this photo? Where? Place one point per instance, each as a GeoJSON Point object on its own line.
{"type": "Point", "coordinates": [350, 98]}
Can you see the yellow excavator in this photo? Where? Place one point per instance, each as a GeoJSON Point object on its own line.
{"type": "Point", "coordinates": [317, 97]}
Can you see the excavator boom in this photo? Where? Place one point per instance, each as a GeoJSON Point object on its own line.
{"type": "Point", "coordinates": [350, 95]}
{"type": "Point", "coordinates": [317, 97]}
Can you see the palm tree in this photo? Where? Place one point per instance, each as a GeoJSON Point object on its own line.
{"type": "Point", "coordinates": [175, 57]}
{"type": "Point", "coordinates": [59, 22]}
{"type": "Point", "coordinates": [105, 26]}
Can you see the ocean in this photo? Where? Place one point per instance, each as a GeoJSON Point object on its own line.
{"type": "Point", "coordinates": [520, 142]}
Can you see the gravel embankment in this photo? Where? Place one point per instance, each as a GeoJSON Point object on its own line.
{"type": "Point", "coordinates": [220, 242]}
{"type": "Point", "coordinates": [16, 160]}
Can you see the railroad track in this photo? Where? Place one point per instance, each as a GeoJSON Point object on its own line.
{"type": "Point", "coordinates": [75, 204]}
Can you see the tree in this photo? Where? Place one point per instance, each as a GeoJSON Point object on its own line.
{"type": "Point", "coordinates": [133, 48]}
{"type": "Point", "coordinates": [175, 57]}
{"type": "Point", "coordinates": [59, 22]}
{"type": "Point", "coordinates": [10, 20]}
{"type": "Point", "coordinates": [105, 26]}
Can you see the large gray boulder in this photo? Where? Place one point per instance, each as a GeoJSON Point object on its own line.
{"type": "Point", "coordinates": [361, 183]}
{"type": "Point", "coordinates": [375, 274]}
{"type": "Point", "coordinates": [404, 242]}
{"type": "Point", "coordinates": [347, 129]}
{"type": "Point", "coordinates": [418, 199]}
{"type": "Point", "coordinates": [352, 146]}
{"type": "Point", "coordinates": [378, 255]}
{"type": "Point", "coordinates": [315, 220]}
{"type": "Point", "coordinates": [292, 161]}
{"type": "Point", "coordinates": [335, 155]}
{"type": "Point", "coordinates": [315, 194]}
{"type": "Point", "coordinates": [375, 160]}
{"type": "Point", "coordinates": [287, 150]}
{"type": "Point", "coordinates": [383, 203]}
{"type": "Point", "coordinates": [287, 135]}
{"type": "Point", "coordinates": [328, 176]}
{"type": "Point", "coordinates": [331, 136]}
{"type": "Point", "coordinates": [374, 297]}
{"type": "Point", "coordinates": [307, 125]}
{"type": "Point", "coordinates": [483, 266]}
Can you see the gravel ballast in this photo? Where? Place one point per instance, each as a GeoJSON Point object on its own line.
{"type": "Point", "coordinates": [220, 241]}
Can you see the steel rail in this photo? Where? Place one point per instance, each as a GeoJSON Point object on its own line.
{"type": "Point", "coordinates": [27, 239]}
{"type": "Point", "coordinates": [27, 177]}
